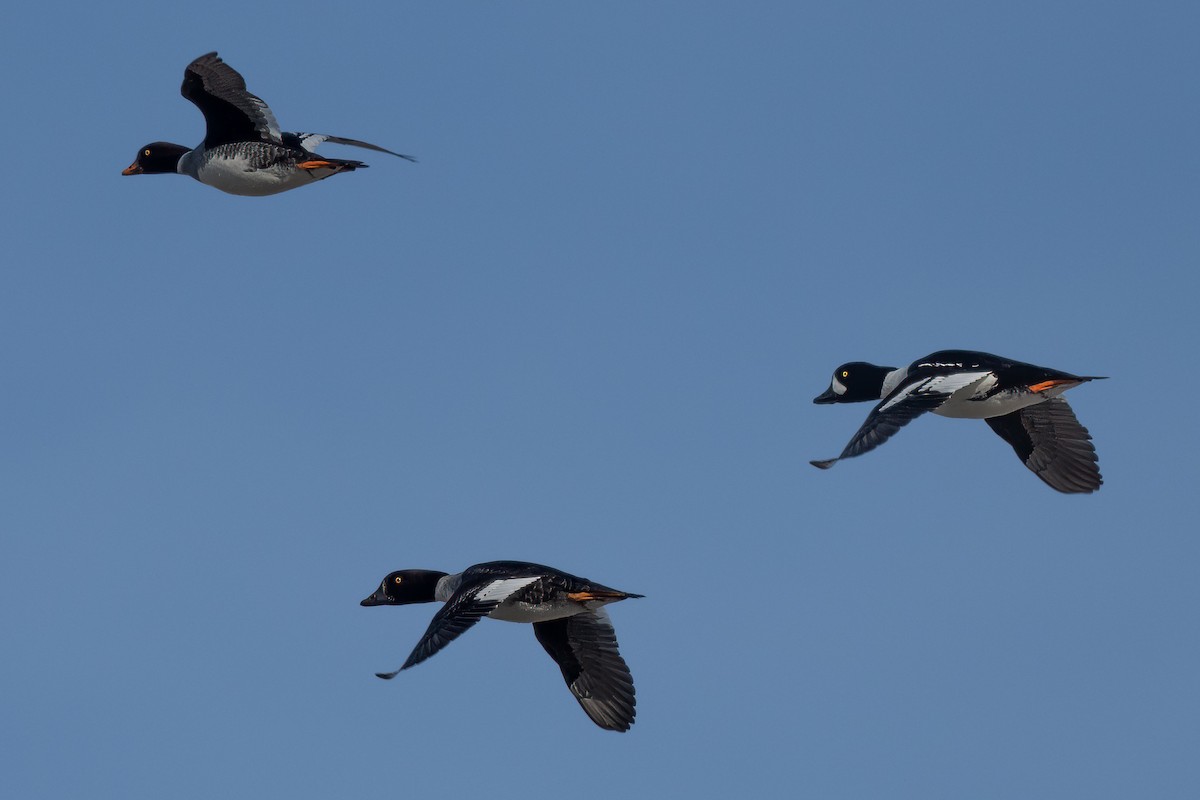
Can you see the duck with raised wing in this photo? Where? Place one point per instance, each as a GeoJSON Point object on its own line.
{"type": "Point", "coordinates": [568, 619]}
{"type": "Point", "coordinates": [1019, 401]}
{"type": "Point", "coordinates": [243, 151]}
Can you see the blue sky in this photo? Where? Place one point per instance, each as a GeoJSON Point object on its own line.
{"type": "Point", "coordinates": [585, 330]}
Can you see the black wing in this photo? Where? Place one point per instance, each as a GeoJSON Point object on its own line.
{"type": "Point", "coordinates": [1051, 442]}
{"type": "Point", "coordinates": [231, 113]}
{"type": "Point", "coordinates": [585, 648]}
{"type": "Point", "coordinates": [464, 608]}
{"type": "Point", "coordinates": [908, 401]}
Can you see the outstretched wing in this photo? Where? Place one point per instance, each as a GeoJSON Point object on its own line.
{"type": "Point", "coordinates": [585, 648]}
{"type": "Point", "coordinates": [1050, 441]}
{"type": "Point", "coordinates": [907, 402]}
{"type": "Point", "coordinates": [231, 113]}
{"type": "Point", "coordinates": [311, 141]}
{"type": "Point", "coordinates": [464, 608]}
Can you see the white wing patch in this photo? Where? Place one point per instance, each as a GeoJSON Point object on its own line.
{"type": "Point", "coordinates": [945, 385]}
{"type": "Point", "coordinates": [499, 591]}
{"type": "Point", "coordinates": [311, 141]}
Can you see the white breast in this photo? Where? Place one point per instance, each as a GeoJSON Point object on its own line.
{"type": "Point", "coordinates": [892, 380]}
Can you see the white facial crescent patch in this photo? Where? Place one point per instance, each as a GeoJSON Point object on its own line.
{"type": "Point", "coordinates": [837, 386]}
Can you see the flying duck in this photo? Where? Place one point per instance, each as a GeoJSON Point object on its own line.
{"type": "Point", "coordinates": [1019, 401]}
{"type": "Point", "coordinates": [567, 615]}
{"type": "Point", "coordinates": [243, 151]}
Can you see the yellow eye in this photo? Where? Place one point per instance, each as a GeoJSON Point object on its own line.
{"type": "Point", "coordinates": [845, 373]}
{"type": "Point", "coordinates": [146, 152]}
{"type": "Point", "coordinates": [398, 579]}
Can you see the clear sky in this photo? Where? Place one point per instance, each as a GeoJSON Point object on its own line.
{"type": "Point", "coordinates": [585, 330]}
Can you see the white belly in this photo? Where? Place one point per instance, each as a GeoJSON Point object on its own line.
{"type": "Point", "coordinates": [235, 178]}
{"type": "Point", "coordinates": [528, 612]}
{"type": "Point", "coordinates": [995, 406]}
{"type": "Point", "coordinates": [974, 404]}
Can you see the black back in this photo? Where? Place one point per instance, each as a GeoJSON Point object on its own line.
{"type": "Point", "coordinates": [1009, 372]}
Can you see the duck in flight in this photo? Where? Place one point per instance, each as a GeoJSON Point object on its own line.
{"type": "Point", "coordinates": [568, 619]}
{"type": "Point", "coordinates": [1019, 401]}
{"type": "Point", "coordinates": [243, 151]}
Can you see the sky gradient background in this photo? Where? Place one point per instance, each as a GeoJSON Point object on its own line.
{"type": "Point", "coordinates": [586, 330]}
